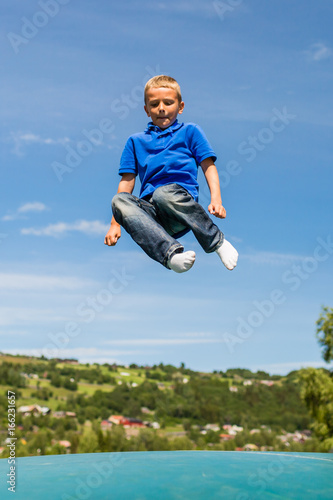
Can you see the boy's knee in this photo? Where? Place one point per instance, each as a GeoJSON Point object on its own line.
{"type": "Point", "coordinates": [121, 206]}
{"type": "Point", "coordinates": [119, 200]}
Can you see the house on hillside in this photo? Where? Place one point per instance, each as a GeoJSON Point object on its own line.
{"type": "Point", "coordinates": [233, 429]}
{"type": "Point", "coordinates": [250, 447]}
{"type": "Point", "coordinates": [126, 421]}
{"type": "Point", "coordinates": [226, 437]}
{"type": "Point", "coordinates": [247, 382]}
{"type": "Point", "coordinates": [146, 410]}
{"type": "Point", "coordinates": [63, 414]}
{"type": "Point", "coordinates": [132, 422]}
{"type": "Point", "coordinates": [66, 444]}
{"type": "Point", "coordinates": [255, 431]}
{"type": "Point", "coordinates": [153, 425]}
{"type": "Point", "coordinates": [33, 410]}
{"type": "Point", "coordinates": [268, 383]}
{"type": "Point", "coordinates": [115, 419]}
{"type": "Point", "coordinates": [212, 427]}
{"type": "Point", "coordinates": [106, 425]}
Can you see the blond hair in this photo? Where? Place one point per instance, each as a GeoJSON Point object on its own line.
{"type": "Point", "coordinates": [163, 81]}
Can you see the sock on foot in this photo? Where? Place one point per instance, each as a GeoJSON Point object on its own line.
{"type": "Point", "coordinates": [228, 254]}
{"type": "Point", "coordinates": [181, 262]}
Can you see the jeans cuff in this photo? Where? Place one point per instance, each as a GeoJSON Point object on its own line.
{"type": "Point", "coordinates": [176, 248]}
{"type": "Point", "coordinates": [218, 245]}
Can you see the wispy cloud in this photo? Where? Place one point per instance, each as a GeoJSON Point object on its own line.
{"type": "Point", "coordinates": [35, 206]}
{"type": "Point", "coordinates": [91, 228]}
{"type": "Point", "coordinates": [28, 317]}
{"type": "Point", "coordinates": [318, 52]}
{"type": "Point", "coordinates": [167, 341]}
{"type": "Point", "coordinates": [272, 258]}
{"type": "Point", "coordinates": [29, 207]}
{"type": "Point", "coordinates": [14, 332]}
{"type": "Point", "coordinates": [33, 282]}
{"type": "Point", "coordinates": [22, 139]}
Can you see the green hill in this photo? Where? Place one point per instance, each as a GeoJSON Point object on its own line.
{"type": "Point", "coordinates": [68, 407]}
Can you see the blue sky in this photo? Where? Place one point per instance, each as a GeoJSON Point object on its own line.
{"type": "Point", "coordinates": [257, 77]}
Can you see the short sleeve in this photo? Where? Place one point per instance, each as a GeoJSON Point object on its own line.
{"type": "Point", "coordinates": [199, 145]}
{"type": "Point", "coordinates": [128, 160]}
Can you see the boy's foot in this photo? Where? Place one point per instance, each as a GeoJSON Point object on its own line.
{"type": "Point", "coordinates": [181, 262]}
{"type": "Point", "coordinates": [228, 254]}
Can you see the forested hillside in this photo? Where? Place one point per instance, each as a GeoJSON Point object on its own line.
{"type": "Point", "coordinates": [62, 406]}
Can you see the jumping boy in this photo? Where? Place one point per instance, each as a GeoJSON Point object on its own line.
{"type": "Point", "coordinates": [166, 157]}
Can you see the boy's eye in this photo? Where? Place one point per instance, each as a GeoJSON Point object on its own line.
{"type": "Point", "coordinates": [155, 104]}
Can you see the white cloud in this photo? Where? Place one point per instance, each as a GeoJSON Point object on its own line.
{"type": "Point", "coordinates": [166, 341]}
{"type": "Point", "coordinates": [318, 52]}
{"type": "Point", "coordinates": [272, 258]}
{"type": "Point", "coordinates": [13, 332]}
{"type": "Point", "coordinates": [20, 140]}
{"type": "Point", "coordinates": [13, 281]}
{"type": "Point", "coordinates": [35, 206]}
{"type": "Point", "coordinates": [92, 228]}
{"type": "Point", "coordinates": [27, 316]}
{"type": "Point", "coordinates": [9, 217]}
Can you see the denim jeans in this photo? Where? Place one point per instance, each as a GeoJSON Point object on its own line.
{"type": "Point", "coordinates": [155, 223]}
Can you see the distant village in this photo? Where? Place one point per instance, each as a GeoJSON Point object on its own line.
{"type": "Point", "coordinates": [223, 433]}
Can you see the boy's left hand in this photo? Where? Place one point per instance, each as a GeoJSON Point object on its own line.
{"type": "Point", "coordinates": [218, 210]}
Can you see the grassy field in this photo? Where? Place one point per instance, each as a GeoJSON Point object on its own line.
{"type": "Point", "coordinates": [29, 395]}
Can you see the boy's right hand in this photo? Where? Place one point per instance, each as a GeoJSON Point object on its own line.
{"type": "Point", "coordinates": [113, 235]}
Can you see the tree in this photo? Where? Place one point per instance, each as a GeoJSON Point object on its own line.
{"type": "Point", "coordinates": [325, 333]}
{"type": "Point", "coordinates": [88, 442]}
{"type": "Point", "coordinates": [317, 392]}
{"type": "Point", "coordinates": [317, 384]}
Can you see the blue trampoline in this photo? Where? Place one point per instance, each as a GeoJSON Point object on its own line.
{"type": "Point", "coordinates": [183, 475]}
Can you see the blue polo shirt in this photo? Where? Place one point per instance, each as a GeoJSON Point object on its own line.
{"type": "Point", "coordinates": [167, 156]}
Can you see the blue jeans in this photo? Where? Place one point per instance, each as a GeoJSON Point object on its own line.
{"type": "Point", "coordinates": [155, 223]}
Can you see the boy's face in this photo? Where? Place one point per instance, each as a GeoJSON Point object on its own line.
{"type": "Point", "coordinates": [162, 106]}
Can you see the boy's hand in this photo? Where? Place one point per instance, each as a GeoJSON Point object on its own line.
{"type": "Point", "coordinates": [113, 235]}
{"type": "Point", "coordinates": [218, 210]}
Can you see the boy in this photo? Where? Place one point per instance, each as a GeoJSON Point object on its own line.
{"type": "Point", "coordinates": [166, 157]}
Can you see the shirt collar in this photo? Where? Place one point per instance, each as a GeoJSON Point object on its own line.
{"type": "Point", "coordinates": [175, 126]}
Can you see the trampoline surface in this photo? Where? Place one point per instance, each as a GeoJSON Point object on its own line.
{"type": "Point", "coordinates": [170, 475]}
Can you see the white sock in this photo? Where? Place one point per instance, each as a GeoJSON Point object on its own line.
{"type": "Point", "coordinates": [228, 254]}
{"type": "Point", "coordinates": [181, 262]}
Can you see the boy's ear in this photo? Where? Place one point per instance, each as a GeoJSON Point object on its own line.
{"type": "Point", "coordinates": [146, 110]}
{"type": "Point", "coordinates": [181, 107]}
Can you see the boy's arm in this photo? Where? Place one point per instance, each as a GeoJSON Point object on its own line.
{"type": "Point", "coordinates": [126, 185]}
{"type": "Point", "coordinates": [212, 177]}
